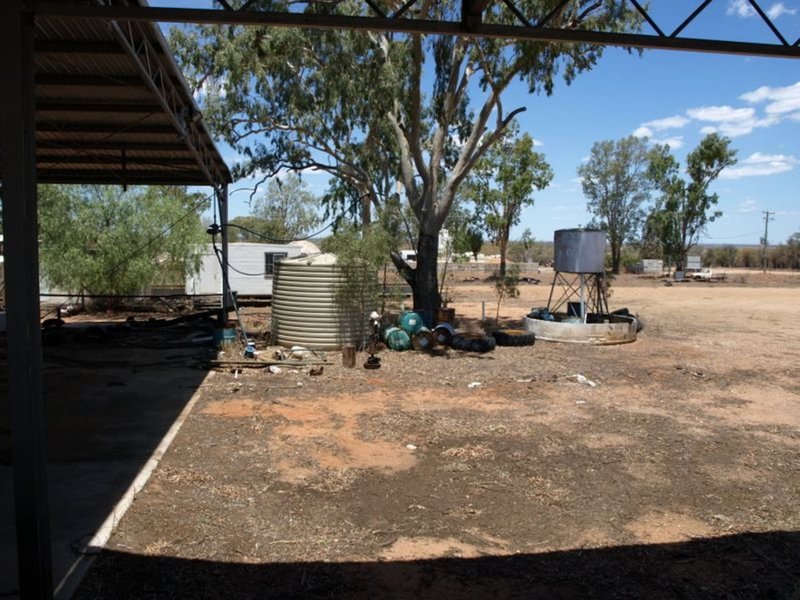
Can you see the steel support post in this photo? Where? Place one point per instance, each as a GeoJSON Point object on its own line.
{"type": "Point", "coordinates": [226, 288]}
{"type": "Point", "coordinates": [20, 227]}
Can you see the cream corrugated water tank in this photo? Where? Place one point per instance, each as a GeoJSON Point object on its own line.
{"type": "Point", "coordinates": [309, 308]}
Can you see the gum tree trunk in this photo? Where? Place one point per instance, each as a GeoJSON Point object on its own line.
{"type": "Point", "coordinates": [426, 281]}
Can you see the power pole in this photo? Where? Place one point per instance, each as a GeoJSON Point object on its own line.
{"type": "Point", "coordinates": [767, 219]}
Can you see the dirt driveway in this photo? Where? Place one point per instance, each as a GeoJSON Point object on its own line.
{"type": "Point", "coordinates": [673, 472]}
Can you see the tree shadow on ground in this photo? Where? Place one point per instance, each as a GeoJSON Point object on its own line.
{"type": "Point", "coordinates": [750, 565]}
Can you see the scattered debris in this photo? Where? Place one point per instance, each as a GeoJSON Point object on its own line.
{"type": "Point", "coordinates": [411, 446]}
{"type": "Point", "coordinates": [585, 381]}
{"type": "Point", "coordinates": [299, 352]}
{"type": "Point", "coordinates": [316, 370]}
{"type": "Point", "coordinates": [474, 384]}
{"type": "Point", "coordinates": [275, 369]}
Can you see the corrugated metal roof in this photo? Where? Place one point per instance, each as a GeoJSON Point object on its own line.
{"type": "Point", "coordinates": [112, 107]}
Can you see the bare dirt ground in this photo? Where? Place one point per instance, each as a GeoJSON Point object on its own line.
{"type": "Point", "coordinates": [459, 475]}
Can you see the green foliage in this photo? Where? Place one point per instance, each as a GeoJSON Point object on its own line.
{"type": "Point", "coordinates": [527, 249]}
{"type": "Point", "coordinates": [724, 256]}
{"type": "Point", "coordinates": [473, 238]}
{"type": "Point", "coordinates": [287, 209]}
{"type": "Point", "coordinates": [616, 180]}
{"type": "Point", "coordinates": [628, 260]}
{"type": "Point", "coordinates": [686, 207]}
{"type": "Point", "coordinates": [502, 185]}
{"type": "Point", "coordinates": [506, 286]}
{"type": "Point", "coordinates": [285, 212]}
{"type": "Point", "coordinates": [372, 108]}
{"type": "Point", "coordinates": [101, 240]}
{"type": "Point", "coordinates": [361, 254]}
{"type": "Point", "coordinates": [786, 256]}
{"type": "Point", "coordinates": [749, 258]}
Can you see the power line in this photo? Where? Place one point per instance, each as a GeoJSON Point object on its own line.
{"type": "Point", "coordinates": [283, 241]}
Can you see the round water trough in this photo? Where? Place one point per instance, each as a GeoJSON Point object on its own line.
{"type": "Point", "coordinates": [609, 331]}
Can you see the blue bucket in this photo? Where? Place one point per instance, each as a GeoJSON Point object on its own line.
{"type": "Point", "coordinates": [223, 336]}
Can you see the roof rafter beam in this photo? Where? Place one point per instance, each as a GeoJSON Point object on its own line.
{"type": "Point", "coordinates": [96, 107]}
{"type": "Point", "coordinates": [88, 80]}
{"type": "Point", "coordinates": [58, 145]}
{"type": "Point", "coordinates": [64, 127]}
{"type": "Point", "coordinates": [145, 56]}
{"type": "Point", "coordinates": [321, 21]}
{"type": "Point", "coordinates": [112, 177]}
{"type": "Point", "coordinates": [110, 159]}
{"type": "Point", "coordinates": [70, 47]}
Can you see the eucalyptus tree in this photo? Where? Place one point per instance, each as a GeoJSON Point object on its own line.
{"type": "Point", "coordinates": [617, 183]}
{"type": "Point", "coordinates": [375, 109]}
{"type": "Point", "coordinates": [686, 206]}
{"type": "Point", "coordinates": [502, 184]}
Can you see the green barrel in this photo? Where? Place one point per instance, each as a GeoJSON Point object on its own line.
{"type": "Point", "coordinates": [411, 322]}
{"type": "Point", "coordinates": [397, 339]}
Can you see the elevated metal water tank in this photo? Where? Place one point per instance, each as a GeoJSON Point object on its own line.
{"type": "Point", "coordinates": [318, 304]}
{"type": "Point", "coordinates": [579, 251]}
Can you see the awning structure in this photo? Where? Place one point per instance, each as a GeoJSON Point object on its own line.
{"type": "Point", "coordinates": [112, 107]}
{"type": "Point", "coordinates": [84, 102]}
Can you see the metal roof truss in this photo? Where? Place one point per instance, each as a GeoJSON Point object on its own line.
{"type": "Point", "coordinates": [471, 23]}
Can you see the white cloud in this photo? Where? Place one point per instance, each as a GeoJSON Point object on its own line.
{"type": "Point", "coordinates": [744, 10]}
{"type": "Point", "coordinates": [781, 100]}
{"type": "Point", "coordinates": [650, 128]}
{"type": "Point", "coordinates": [747, 206]}
{"type": "Point", "coordinates": [740, 8]}
{"type": "Point", "coordinates": [729, 121]}
{"type": "Point", "coordinates": [673, 142]}
{"type": "Point", "coordinates": [674, 122]}
{"type": "Point", "coordinates": [759, 164]}
{"type": "Point", "coordinates": [537, 142]}
{"type": "Point", "coordinates": [778, 9]}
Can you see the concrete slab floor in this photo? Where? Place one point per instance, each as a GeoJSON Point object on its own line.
{"type": "Point", "coordinates": [108, 406]}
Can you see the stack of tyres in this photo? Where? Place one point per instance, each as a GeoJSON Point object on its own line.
{"type": "Point", "coordinates": [473, 343]}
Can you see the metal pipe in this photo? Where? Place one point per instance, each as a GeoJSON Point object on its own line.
{"type": "Point", "coordinates": [20, 227]}
{"type": "Point", "coordinates": [226, 287]}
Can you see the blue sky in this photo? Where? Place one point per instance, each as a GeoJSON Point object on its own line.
{"type": "Point", "coordinates": [672, 97]}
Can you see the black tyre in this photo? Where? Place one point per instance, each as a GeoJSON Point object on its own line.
{"type": "Point", "coordinates": [514, 337]}
{"type": "Point", "coordinates": [473, 343]}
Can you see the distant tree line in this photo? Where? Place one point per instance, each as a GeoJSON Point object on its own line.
{"type": "Point", "coordinates": [781, 256]}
